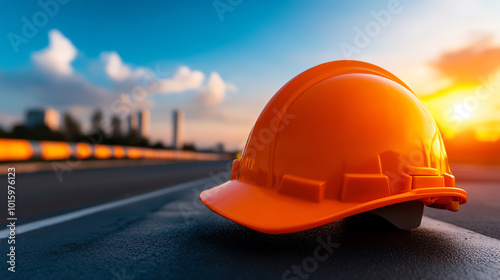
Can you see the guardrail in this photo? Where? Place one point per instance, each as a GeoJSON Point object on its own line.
{"type": "Point", "coordinates": [21, 150]}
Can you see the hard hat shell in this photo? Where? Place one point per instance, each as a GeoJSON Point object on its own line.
{"type": "Point", "coordinates": [342, 138]}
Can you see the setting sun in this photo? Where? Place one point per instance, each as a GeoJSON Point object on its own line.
{"type": "Point", "coordinates": [465, 108]}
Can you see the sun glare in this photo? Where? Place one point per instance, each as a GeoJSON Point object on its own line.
{"type": "Point", "coordinates": [454, 110]}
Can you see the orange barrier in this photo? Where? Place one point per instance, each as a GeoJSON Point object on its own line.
{"type": "Point", "coordinates": [134, 153]}
{"type": "Point", "coordinates": [13, 149]}
{"type": "Point", "coordinates": [52, 150]}
{"type": "Point", "coordinates": [83, 150]}
{"type": "Point", "coordinates": [166, 154]}
{"type": "Point", "coordinates": [18, 150]}
{"type": "Point", "coordinates": [119, 152]}
{"type": "Point", "coordinates": [102, 151]}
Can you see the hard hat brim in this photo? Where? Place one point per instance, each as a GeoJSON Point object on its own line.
{"type": "Point", "coordinates": [265, 210]}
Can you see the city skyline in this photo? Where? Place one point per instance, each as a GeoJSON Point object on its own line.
{"type": "Point", "coordinates": [136, 124]}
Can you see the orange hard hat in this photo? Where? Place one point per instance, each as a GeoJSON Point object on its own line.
{"type": "Point", "coordinates": [342, 138]}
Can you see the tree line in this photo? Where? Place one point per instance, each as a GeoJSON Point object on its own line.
{"type": "Point", "coordinates": [71, 131]}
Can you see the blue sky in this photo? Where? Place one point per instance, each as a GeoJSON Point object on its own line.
{"type": "Point", "coordinates": [221, 67]}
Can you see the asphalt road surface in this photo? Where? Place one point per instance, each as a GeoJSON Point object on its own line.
{"type": "Point", "coordinates": [147, 222]}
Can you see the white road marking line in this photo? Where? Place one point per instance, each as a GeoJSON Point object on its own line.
{"type": "Point", "coordinates": [99, 208]}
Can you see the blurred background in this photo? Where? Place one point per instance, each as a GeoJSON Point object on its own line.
{"type": "Point", "coordinates": [194, 75]}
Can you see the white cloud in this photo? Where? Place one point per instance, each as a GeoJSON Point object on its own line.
{"type": "Point", "coordinates": [183, 80]}
{"type": "Point", "coordinates": [57, 57]}
{"type": "Point", "coordinates": [210, 93]}
{"type": "Point", "coordinates": [67, 89]}
{"type": "Point", "coordinates": [117, 70]}
{"type": "Point", "coordinates": [215, 91]}
{"type": "Point", "coordinates": [61, 92]}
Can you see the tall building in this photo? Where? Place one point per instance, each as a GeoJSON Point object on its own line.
{"type": "Point", "coordinates": [219, 148]}
{"type": "Point", "coordinates": [132, 123]}
{"type": "Point", "coordinates": [177, 129]}
{"type": "Point", "coordinates": [143, 119]}
{"type": "Point", "coordinates": [48, 117]}
{"type": "Point", "coordinates": [139, 123]}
